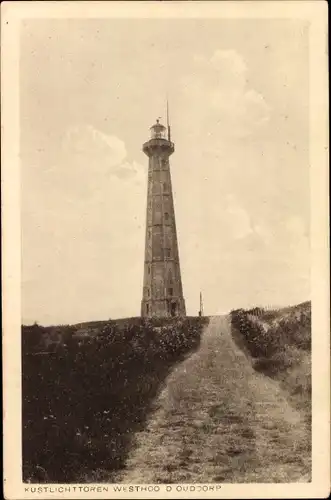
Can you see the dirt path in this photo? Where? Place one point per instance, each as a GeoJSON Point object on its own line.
{"type": "Point", "coordinates": [218, 420]}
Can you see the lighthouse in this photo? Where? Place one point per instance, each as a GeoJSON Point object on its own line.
{"type": "Point", "coordinates": [162, 288]}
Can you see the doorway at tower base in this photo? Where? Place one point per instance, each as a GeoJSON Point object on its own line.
{"type": "Point", "coordinates": [170, 308]}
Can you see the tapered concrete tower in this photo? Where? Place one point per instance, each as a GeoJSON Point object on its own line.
{"type": "Point", "coordinates": [162, 292]}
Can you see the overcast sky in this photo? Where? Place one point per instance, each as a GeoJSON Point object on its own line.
{"type": "Point", "coordinates": [90, 90]}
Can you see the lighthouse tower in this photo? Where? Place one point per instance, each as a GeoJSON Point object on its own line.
{"type": "Point", "coordinates": [162, 291]}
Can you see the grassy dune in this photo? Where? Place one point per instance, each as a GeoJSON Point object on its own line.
{"type": "Point", "coordinates": [88, 388]}
{"type": "Point", "coordinates": [278, 342]}
{"type": "Point", "coordinates": [150, 402]}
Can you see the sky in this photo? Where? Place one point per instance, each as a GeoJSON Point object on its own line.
{"type": "Point", "coordinates": [238, 97]}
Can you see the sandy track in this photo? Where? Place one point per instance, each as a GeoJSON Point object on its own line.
{"type": "Point", "coordinates": [218, 420]}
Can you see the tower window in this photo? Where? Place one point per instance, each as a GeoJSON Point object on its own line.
{"type": "Point", "coordinates": [167, 252]}
{"type": "Point", "coordinates": [147, 308]}
{"type": "Point", "coordinates": [149, 269]}
{"type": "Point", "coordinates": [148, 292]}
{"type": "Point", "coordinates": [166, 216]}
{"type": "Point", "coordinates": [165, 186]}
{"type": "Point", "coordinates": [170, 291]}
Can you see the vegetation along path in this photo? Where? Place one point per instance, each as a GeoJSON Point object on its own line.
{"type": "Point", "coordinates": [218, 420]}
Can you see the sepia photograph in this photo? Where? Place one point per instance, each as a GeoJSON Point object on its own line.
{"type": "Point", "coordinates": [166, 250]}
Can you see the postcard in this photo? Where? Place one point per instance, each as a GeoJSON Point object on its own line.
{"type": "Point", "coordinates": [166, 327]}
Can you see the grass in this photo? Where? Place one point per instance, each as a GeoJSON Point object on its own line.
{"type": "Point", "coordinates": [87, 389]}
{"type": "Point", "coordinates": [157, 402]}
{"type": "Point", "coordinates": [278, 343]}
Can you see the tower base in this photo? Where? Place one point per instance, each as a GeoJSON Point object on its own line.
{"type": "Point", "coordinates": [169, 308]}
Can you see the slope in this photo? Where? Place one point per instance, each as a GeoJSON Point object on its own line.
{"type": "Point", "coordinates": [86, 391]}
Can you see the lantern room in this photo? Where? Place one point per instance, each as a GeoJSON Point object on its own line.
{"type": "Point", "coordinates": [159, 142]}
{"type": "Point", "coordinates": [158, 131]}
